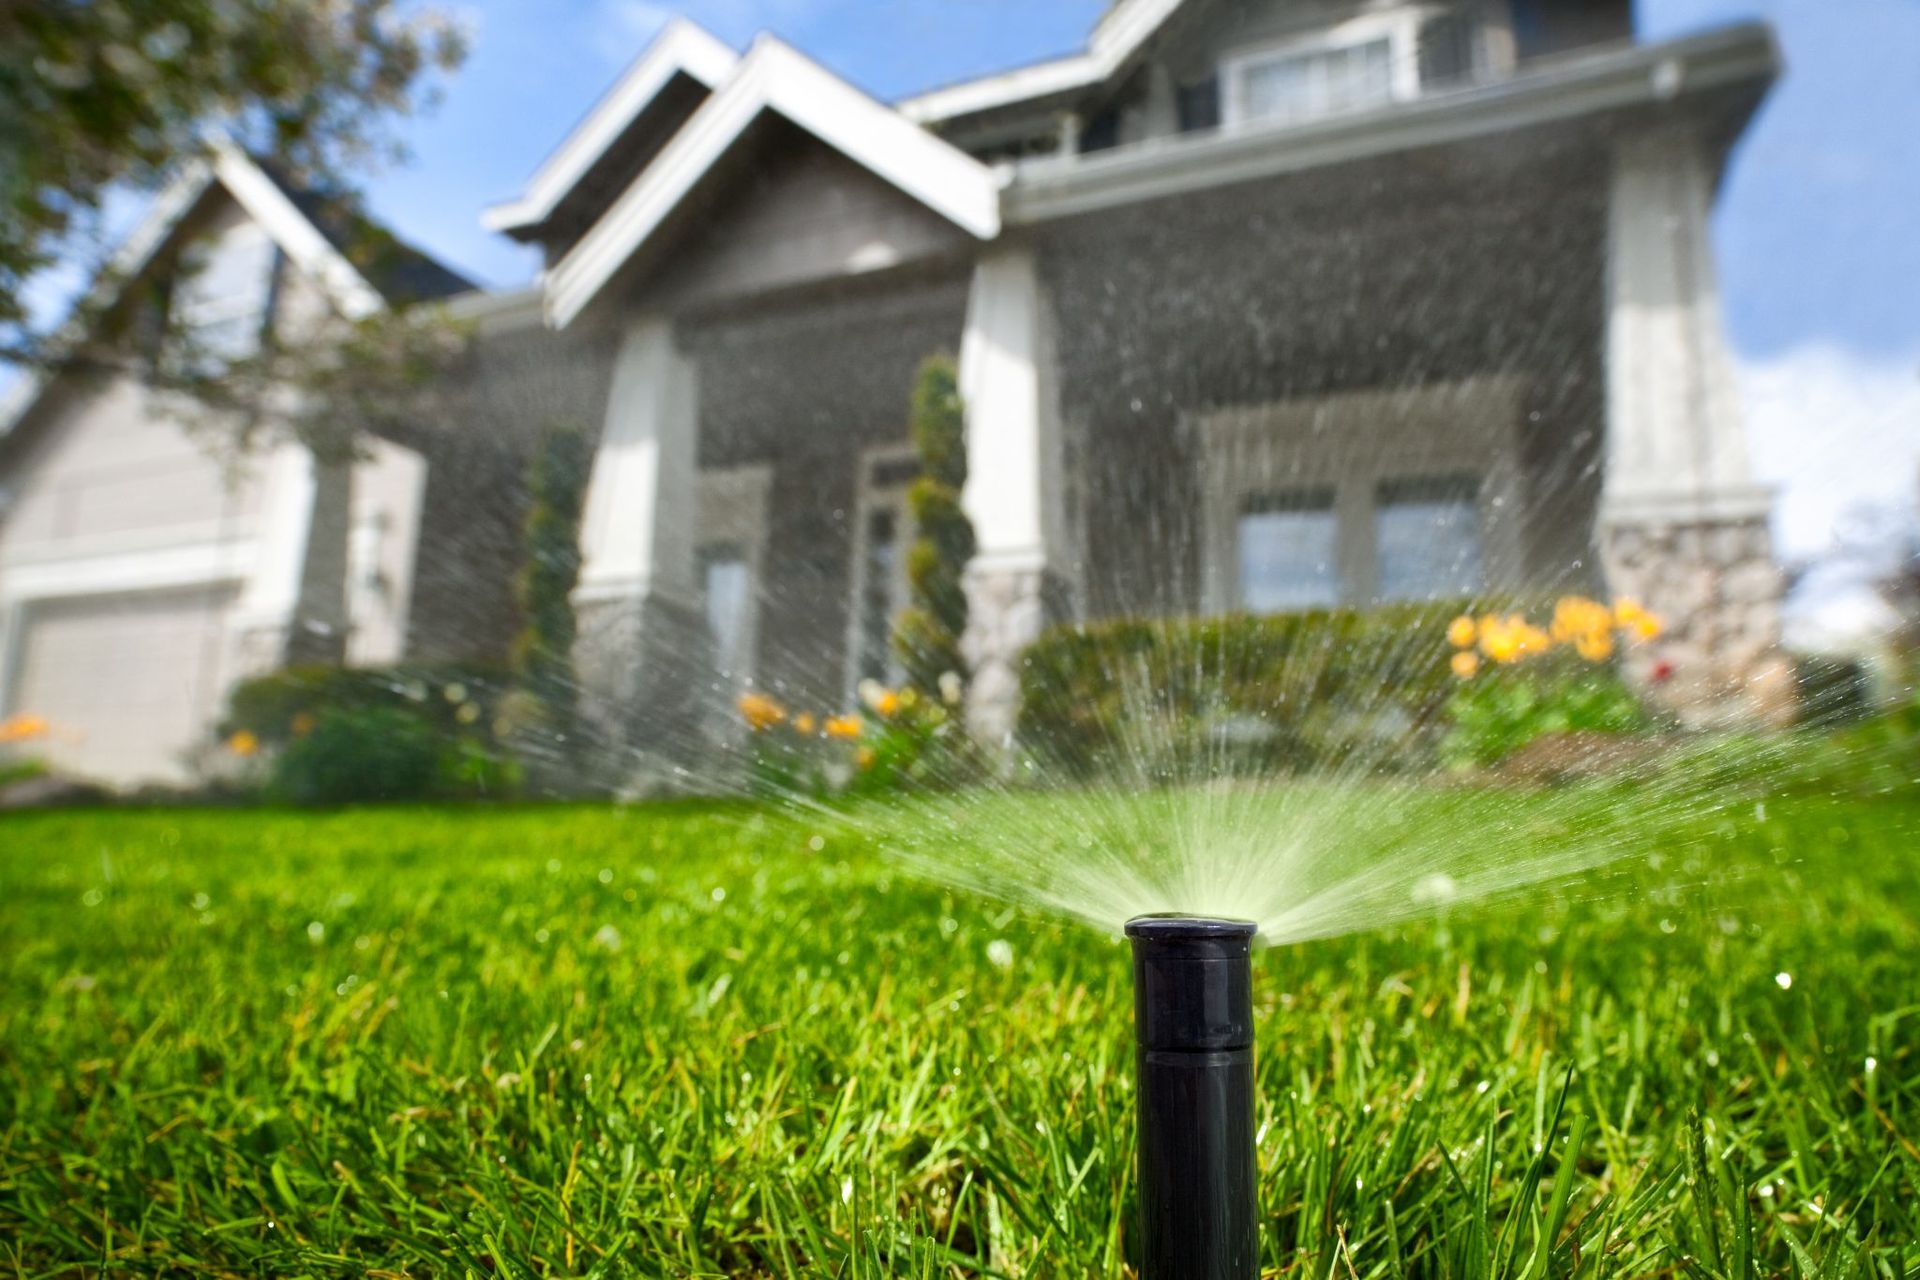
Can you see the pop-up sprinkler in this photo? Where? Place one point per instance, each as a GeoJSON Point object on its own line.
{"type": "Point", "coordinates": [1193, 1018]}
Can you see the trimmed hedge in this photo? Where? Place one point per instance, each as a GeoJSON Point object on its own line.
{"type": "Point", "coordinates": [1174, 699]}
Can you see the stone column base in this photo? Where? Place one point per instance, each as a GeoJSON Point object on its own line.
{"type": "Point", "coordinates": [1007, 609]}
{"type": "Point", "coordinates": [644, 664]}
{"type": "Point", "coordinates": [1714, 584]}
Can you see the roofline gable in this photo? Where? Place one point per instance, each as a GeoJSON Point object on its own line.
{"type": "Point", "coordinates": [681, 48]}
{"type": "Point", "coordinates": [1118, 35]}
{"type": "Point", "coordinates": [775, 77]}
{"type": "Point", "coordinates": [262, 199]}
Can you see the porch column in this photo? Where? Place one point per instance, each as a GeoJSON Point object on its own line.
{"type": "Point", "coordinates": [641, 652]}
{"type": "Point", "coordinates": [1683, 526]}
{"type": "Point", "coordinates": [1015, 493]}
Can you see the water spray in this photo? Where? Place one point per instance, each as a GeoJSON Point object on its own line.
{"type": "Point", "coordinates": [1193, 1019]}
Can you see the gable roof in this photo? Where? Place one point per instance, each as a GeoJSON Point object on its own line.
{"type": "Point", "coordinates": [778, 78]}
{"type": "Point", "coordinates": [1119, 34]}
{"type": "Point", "coordinates": [681, 49]}
{"type": "Point", "coordinates": [278, 207]}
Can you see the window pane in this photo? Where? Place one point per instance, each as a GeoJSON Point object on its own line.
{"type": "Point", "coordinates": [729, 594]}
{"type": "Point", "coordinates": [1428, 533]}
{"type": "Point", "coordinates": [877, 589]}
{"type": "Point", "coordinates": [1287, 553]}
{"type": "Point", "coordinates": [1302, 85]}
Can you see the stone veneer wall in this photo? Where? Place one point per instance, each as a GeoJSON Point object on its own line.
{"type": "Point", "coordinates": [1715, 585]}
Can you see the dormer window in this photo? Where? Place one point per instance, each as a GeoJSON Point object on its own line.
{"type": "Point", "coordinates": [1367, 62]}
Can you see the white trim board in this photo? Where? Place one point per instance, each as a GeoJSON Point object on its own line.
{"type": "Point", "coordinates": [775, 77]}
{"type": "Point", "coordinates": [681, 49]}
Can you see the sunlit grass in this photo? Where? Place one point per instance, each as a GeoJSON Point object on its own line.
{"type": "Point", "coordinates": [699, 1041]}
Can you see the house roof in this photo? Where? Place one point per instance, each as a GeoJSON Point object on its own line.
{"type": "Point", "coordinates": [1120, 33]}
{"type": "Point", "coordinates": [319, 236]}
{"type": "Point", "coordinates": [774, 77]}
{"type": "Point", "coordinates": [682, 49]}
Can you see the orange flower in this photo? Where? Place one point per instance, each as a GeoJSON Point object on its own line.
{"type": "Point", "coordinates": [1461, 632]}
{"type": "Point", "coordinates": [22, 727]}
{"type": "Point", "coordinates": [887, 703]}
{"type": "Point", "coordinates": [803, 724]}
{"type": "Point", "coordinates": [760, 712]}
{"type": "Point", "coordinates": [243, 743]}
{"type": "Point", "coordinates": [845, 727]}
{"type": "Point", "coordinates": [1466, 663]}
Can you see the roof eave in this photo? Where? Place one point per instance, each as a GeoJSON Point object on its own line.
{"type": "Point", "coordinates": [682, 48]}
{"type": "Point", "coordinates": [775, 77]}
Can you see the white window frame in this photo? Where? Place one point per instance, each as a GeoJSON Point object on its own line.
{"type": "Point", "coordinates": [868, 498]}
{"type": "Point", "coordinates": [733, 512]}
{"type": "Point", "coordinates": [1401, 27]}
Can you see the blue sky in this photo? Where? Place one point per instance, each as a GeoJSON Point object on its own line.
{"type": "Point", "coordinates": [1818, 237]}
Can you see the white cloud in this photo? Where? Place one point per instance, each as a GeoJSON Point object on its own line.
{"type": "Point", "coordinates": [1833, 431]}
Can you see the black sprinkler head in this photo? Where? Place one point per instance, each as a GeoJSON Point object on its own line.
{"type": "Point", "coordinates": [1193, 1019]}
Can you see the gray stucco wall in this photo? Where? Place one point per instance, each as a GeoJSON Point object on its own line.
{"type": "Point", "coordinates": [512, 387]}
{"type": "Point", "coordinates": [808, 384]}
{"type": "Point", "coordinates": [1420, 271]}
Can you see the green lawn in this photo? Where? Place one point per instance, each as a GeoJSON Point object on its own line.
{"type": "Point", "coordinates": [684, 1041]}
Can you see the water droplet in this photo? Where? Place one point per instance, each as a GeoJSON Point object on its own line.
{"type": "Point", "coordinates": [316, 932]}
{"type": "Point", "coordinates": [846, 1190]}
{"type": "Point", "coordinates": [1000, 953]}
{"type": "Point", "coordinates": [1785, 980]}
{"type": "Point", "coordinates": [1873, 1065]}
{"type": "Point", "coordinates": [718, 894]}
{"type": "Point", "coordinates": [606, 875]}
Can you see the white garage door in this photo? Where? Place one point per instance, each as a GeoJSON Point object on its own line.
{"type": "Point", "coordinates": [126, 684]}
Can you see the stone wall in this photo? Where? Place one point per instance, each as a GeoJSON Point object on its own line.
{"type": "Point", "coordinates": [1715, 587]}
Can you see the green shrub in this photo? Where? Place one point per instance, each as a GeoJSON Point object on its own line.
{"type": "Point", "coordinates": [1356, 688]}
{"type": "Point", "coordinates": [355, 755]}
{"type": "Point", "coordinates": [927, 636]}
{"type": "Point", "coordinates": [1501, 710]}
{"type": "Point", "coordinates": [303, 718]}
{"type": "Point", "coordinates": [543, 717]}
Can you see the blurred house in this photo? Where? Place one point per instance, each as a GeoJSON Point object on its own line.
{"type": "Point", "coordinates": [1262, 305]}
{"type": "Point", "coordinates": [144, 569]}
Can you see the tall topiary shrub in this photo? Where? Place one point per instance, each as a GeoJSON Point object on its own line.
{"type": "Point", "coordinates": [546, 703]}
{"type": "Point", "coordinates": [927, 636]}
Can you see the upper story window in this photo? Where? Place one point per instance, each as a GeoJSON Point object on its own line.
{"type": "Point", "coordinates": [224, 293]}
{"type": "Point", "coordinates": [1367, 62]}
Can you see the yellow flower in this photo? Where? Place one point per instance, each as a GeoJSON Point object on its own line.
{"type": "Point", "coordinates": [1461, 633]}
{"type": "Point", "coordinates": [887, 703]}
{"type": "Point", "coordinates": [1466, 663]}
{"type": "Point", "coordinates": [864, 757]}
{"type": "Point", "coordinates": [803, 724]}
{"type": "Point", "coordinates": [1596, 646]}
{"type": "Point", "coordinates": [22, 727]}
{"type": "Point", "coordinates": [1577, 616]}
{"type": "Point", "coordinates": [845, 727]}
{"type": "Point", "coordinates": [760, 712]}
{"type": "Point", "coordinates": [243, 743]}
{"type": "Point", "coordinates": [1647, 626]}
